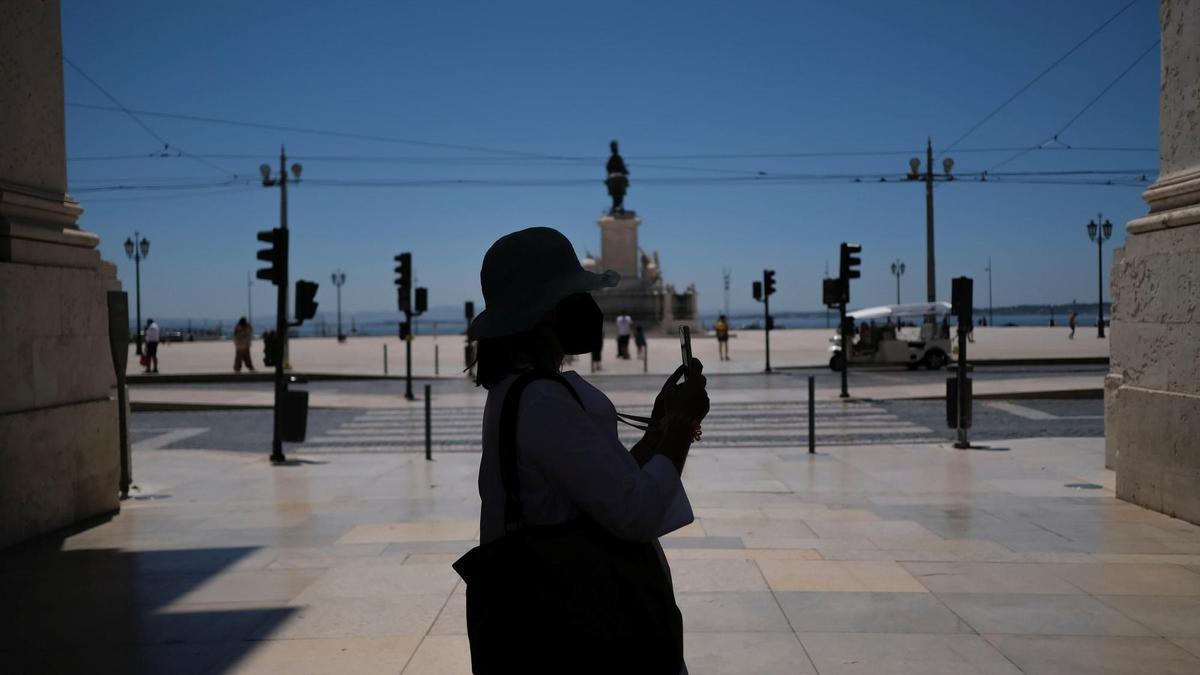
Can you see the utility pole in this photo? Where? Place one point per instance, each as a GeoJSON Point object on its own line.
{"type": "Point", "coordinates": [928, 177]}
{"type": "Point", "coordinates": [279, 276]}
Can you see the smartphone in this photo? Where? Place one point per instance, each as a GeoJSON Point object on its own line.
{"type": "Point", "coordinates": [685, 345]}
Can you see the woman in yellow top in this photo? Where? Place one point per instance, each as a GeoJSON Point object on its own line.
{"type": "Point", "coordinates": [722, 330]}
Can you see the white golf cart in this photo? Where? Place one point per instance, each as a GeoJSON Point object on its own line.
{"type": "Point", "coordinates": [896, 335]}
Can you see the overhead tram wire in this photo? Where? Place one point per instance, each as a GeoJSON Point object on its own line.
{"type": "Point", "coordinates": [145, 127]}
{"type": "Point", "coordinates": [326, 132]}
{"type": "Point", "coordinates": [1025, 87]}
{"type": "Point", "coordinates": [1065, 176]}
{"type": "Point", "coordinates": [1088, 106]}
{"type": "Point", "coordinates": [467, 160]}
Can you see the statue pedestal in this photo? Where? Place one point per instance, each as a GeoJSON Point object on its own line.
{"type": "Point", "coordinates": [1152, 393]}
{"type": "Point", "coordinates": [59, 439]}
{"type": "Point", "coordinates": [619, 244]}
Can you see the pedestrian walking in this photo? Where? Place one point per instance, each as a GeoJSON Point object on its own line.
{"type": "Point", "coordinates": [243, 334]}
{"type": "Point", "coordinates": [639, 339]}
{"type": "Point", "coordinates": [151, 361]}
{"type": "Point", "coordinates": [1072, 322]}
{"type": "Point", "coordinates": [722, 330]}
{"type": "Point", "coordinates": [569, 576]}
{"type": "Point", "coordinates": [624, 328]}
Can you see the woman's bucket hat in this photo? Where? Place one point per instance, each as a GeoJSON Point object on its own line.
{"type": "Point", "coordinates": [524, 275]}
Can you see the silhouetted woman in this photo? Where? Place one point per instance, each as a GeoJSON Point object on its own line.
{"type": "Point", "coordinates": [569, 576]}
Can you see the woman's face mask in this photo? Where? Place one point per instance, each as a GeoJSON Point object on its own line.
{"type": "Point", "coordinates": [579, 324]}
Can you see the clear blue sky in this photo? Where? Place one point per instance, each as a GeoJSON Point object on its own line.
{"type": "Point", "coordinates": [562, 79]}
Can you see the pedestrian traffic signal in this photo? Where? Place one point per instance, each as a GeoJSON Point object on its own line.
{"type": "Point", "coordinates": [962, 300]}
{"type": "Point", "coordinates": [422, 300]}
{"type": "Point", "coordinates": [306, 306]}
{"type": "Point", "coordinates": [758, 291]}
{"type": "Point", "coordinates": [768, 282]}
{"type": "Point", "coordinates": [404, 281]}
{"type": "Point", "coordinates": [276, 256]}
{"type": "Point", "coordinates": [833, 292]}
{"type": "Point", "coordinates": [405, 328]}
{"type": "Point", "coordinates": [850, 261]}
{"type": "Point", "coordinates": [270, 348]}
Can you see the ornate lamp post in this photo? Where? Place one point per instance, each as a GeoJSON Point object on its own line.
{"type": "Point", "coordinates": [339, 278]}
{"type": "Point", "coordinates": [1099, 233]}
{"type": "Point", "coordinates": [897, 271]}
{"type": "Point", "coordinates": [928, 177]}
{"type": "Point", "coordinates": [136, 249]}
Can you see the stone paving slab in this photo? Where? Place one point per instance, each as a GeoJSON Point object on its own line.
{"type": "Point", "coordinates": [892, 558]}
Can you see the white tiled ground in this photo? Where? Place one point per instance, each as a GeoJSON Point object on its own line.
{"type": "Point", "coordinates": [861, 559]}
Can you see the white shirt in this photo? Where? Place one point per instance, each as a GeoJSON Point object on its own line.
{"type": "Point", "coordinates": [570, 459]}
{"type": "Point", "coordinates": [624, 323]}
{"type": "Point", "coordinates": [152, 333]}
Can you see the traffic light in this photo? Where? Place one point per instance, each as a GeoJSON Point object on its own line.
{"type": "Point", "coordinates": [405, 328]}
{"type": "Point", "coordinates": [850, 262]}
{"type": "Point", "coordinates": [758, 291]}
{"type": "Point", "coordinates": [961, 300]}
{"type": "Point", "coordinates": [306, 294]}
{"type": "Point", "coordinates": [404, 281]}
{"type": "Point", "coordinates": [833, 292]}
{"type": "Point", "coordinates": [768, 282]}
{"type": "Point", "coordinates": [276, 256]}
{"type": "Point", "coordinates": [422, 300]}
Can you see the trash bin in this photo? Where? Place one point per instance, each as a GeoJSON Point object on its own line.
{"type": "Point", "coordinates": [295, 415]}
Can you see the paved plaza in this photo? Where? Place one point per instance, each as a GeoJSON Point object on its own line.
{"type": "Point", "coordinates": [789, 349]}
{"type": "Point", "coordinates": [888, 552]}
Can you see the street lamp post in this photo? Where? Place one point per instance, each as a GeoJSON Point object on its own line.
{"type": "Point", "coordinates": [928, 177]}
{"type": "Point", "coordinates": [897, 271]}
{"type": "Point", "coordinates": [991, 318]}
{"type": "Point", "coordinates": [136, 249]}
{"type": "Point", "coordinates": [281, 322]}
{"type": "Point", "coordinates": [339, 278]}
{"type": "Point", "coordinates": [1098, 233]}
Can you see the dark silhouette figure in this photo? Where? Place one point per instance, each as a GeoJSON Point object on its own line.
{"type": "Point", "coordinates": [617, 181]}
{"type": "Point", "coordinates": [570, 578]}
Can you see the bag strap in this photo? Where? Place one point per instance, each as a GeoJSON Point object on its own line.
{"type": "Point", "coordinates": [509, 412]}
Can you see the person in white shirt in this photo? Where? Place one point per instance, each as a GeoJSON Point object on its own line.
{"type": "Point", "coordinates": [570, 462]}
{"type": "Point", "coordinates": [624, 330]}
{"type": "Point", "coordinates": [151, 346]}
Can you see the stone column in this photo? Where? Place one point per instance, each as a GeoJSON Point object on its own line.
{"type": "Point", "coordinates": [1152, 394]}
{"type": "Point", "coordinates": [59, 460]}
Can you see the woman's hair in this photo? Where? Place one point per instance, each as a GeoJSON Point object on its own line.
{"type": "Point", "coordinates": [497, 358]}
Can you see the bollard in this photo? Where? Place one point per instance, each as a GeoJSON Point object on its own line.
{"type": "Point", "coordinates": [646, 358]}
{"type": "Point", "coordinates": [428, 423]}
{"type": "Point", "coordinates": [812, 409]}
{"type": "Point", "coordinates": [435, 360]}
{"type": "Point", "coordinates": [385, 358]}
